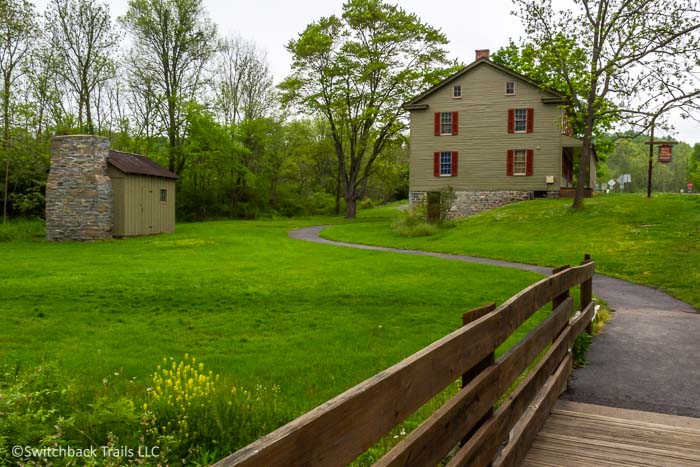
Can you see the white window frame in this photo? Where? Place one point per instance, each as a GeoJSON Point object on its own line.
{"type": "Point", "coordinates": [446, 163]}
{"type": "Point", "coordinates": [522, 120]}
{"type": "Point", "coordinates": [457, 91]}
{"type": "Point", "coordinates": [510, 84]}
{"type": "Point", "coordinates": [445, 122]}
{"type": "Point", "coordinates": [523, 154]}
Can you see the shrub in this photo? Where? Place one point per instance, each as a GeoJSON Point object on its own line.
{"type": "Point", "coordinates": [194, 416]}
{"type": "Point", "coordinates": [412, 222]}
{"type": "Point", "coordinates": [21, 229]}
{"type": "Point", "coordinates": [190, 414]}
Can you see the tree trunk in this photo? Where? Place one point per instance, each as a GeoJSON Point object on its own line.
{"type": "Point", "coordinates": [337, 191]}
{"type": "Point", "coordinates": [7, 185]}
{"type": "Point", "coordinates": [351, 207]}
{"type": "Point", "coordinates": [585, 162]}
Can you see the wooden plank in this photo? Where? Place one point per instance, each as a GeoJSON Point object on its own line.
{"type": "Point", "coordinates": [586, 290]}
{"type": "Point", "coordinates": [470, 317]}
{"type": "Point", "coordinates": [432, 440]}
{"type": "Point", "coordinates": [476, 313]}
{"type": "Point", "coordinates": [339, 430]}
{"type": "Point", "coordinates": [582, 320]}
{"type": "Point", "coordinates": [525, 432]}
{"type": "Point", "coordinates": [556, 301]}
{"type": "Point", "coordinates": [483, 446]}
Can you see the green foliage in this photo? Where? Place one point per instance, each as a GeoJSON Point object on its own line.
{"type": "Point", "coordinates": [357, 70]}
{"type": "Point", "coordinates": [21, 229]}
{"type": "Point", "coordinates": [631, 155]}
{"type": "Point", "coordinates": [258, 307]}
{"type": "Point", "coordinates": [580, 348]}
{"type": "Point", "coordinates": [648, 241]}
{"type": "Point", "coordinates": [191, 416]}
{"type": "Point", "coordinates": [412, 223]}
{"type": "Point", "coordinates": [542, 63]}
{"type": "Point", "coordinates": [195, 416]}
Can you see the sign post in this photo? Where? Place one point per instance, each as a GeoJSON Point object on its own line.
{"type": "Point", "coordinates": [665, 155]}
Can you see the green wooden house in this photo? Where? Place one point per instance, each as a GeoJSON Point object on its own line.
{"type": "Point", "coordinates": [492, 135]}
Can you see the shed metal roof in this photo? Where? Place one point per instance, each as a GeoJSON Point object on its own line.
{"type": "Point", "coordinates": [137, 164]}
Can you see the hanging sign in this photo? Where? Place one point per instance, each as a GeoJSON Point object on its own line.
{"type": "Point", "coordinates": [665, 153]}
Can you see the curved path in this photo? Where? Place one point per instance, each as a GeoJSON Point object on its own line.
{"type": "Point", "coordinates": [647, 358]}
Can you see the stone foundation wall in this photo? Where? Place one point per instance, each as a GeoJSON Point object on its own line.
{"type": "Point", "coordinates": [78, 189]}
{"type": "Point", "coordinates": [468, 203]}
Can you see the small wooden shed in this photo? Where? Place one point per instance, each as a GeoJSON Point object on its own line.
{"type": "Point", "coordinates": [143, 195]}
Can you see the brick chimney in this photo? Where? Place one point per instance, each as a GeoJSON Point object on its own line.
{"type": "Point", "coordinates": [482, 53]}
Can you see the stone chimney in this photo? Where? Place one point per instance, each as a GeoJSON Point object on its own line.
{"type": "Point", "coordinates": [482, 53]}
{"type": "Point", "coordinates": [78, 189]}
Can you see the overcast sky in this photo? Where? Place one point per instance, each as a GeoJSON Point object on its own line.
{"type": "Point", "coordinates": [468, 25]}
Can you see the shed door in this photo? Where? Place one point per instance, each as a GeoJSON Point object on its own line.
{"type": "Point", "coordinates": [149, 200]}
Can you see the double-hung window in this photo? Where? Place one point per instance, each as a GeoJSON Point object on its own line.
{"type": "Point", "coordinates": [446, 123]}
{"type": "Point", "coordinates": [520, 120]}
{"type": "Point", "coordinates": [445, 163]}
{"type": "Point", "coordinates": [520, 162]}
{"type": "Point", "coordinates": [510, 88]}
{"type": "Point", "coordinates": [457, 90]}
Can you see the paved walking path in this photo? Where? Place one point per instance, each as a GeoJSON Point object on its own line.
{"type": "Point", "coordinates": [647, 357]}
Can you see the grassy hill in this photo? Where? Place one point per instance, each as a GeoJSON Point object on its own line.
{"type": "Point", "coordinates": [650, 241]}
{"type": "Point", "coordinates": [85, 324]}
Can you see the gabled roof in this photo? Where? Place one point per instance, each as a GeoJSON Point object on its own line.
{"type": "Point", "coordinates": [554, 98]}
{"type": "Point", "coordinates": [137, 164]}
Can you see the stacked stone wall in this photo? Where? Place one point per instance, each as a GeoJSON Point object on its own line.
{"type": "Point", "coordinates": [468, 203]}
{"type": "Point", "coordinates": [78, 189]}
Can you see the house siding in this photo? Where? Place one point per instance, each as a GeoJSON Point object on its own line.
{"type": "Point", "coordinates": [483, 139]}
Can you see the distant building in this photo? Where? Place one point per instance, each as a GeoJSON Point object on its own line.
{"type": "Point", "coordinates": [494, 136]}
{"type": "Point", "coordinates": [94, 193]}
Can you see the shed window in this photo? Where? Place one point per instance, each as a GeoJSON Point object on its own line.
{"type": "Point", "coordinates": [164, 195]}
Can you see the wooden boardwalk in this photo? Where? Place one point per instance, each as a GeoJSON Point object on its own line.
{"type": "Point", "coordinates": [587, 435]}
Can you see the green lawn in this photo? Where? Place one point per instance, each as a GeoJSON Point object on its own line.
{"type": "Point", "coordinates": [650, 241]}
{"type": "Point", "coordinates": [250, 303]}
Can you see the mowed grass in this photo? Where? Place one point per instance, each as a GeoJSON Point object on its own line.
{"type": "Point", "coordinates": [242, 297]}
{"type": "Point", "coordinates": [649, 241]}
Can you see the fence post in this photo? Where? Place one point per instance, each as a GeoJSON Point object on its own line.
{"type": "Point", "coordinates": [467, 318]}
{"type": "Point", "coordinates": [559, 299]}
{"type": "Point", "coordinates": [587, 291]}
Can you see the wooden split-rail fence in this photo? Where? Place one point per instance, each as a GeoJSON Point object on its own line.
{"type": "Point", "coordinates": [467, 429]}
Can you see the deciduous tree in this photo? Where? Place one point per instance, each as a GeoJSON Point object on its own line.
{"type": "Point", "coordinates": [17, 30]}
{"type": "Point", "coordinates": [357, 70]}
{"type": "Point", "coordinates": [82, 43]}
{"type": "Point", "coordinates": [640, 56]}
{"type": "Point", "coordinates": [173, 40]}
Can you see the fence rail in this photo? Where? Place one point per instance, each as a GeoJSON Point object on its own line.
{"type": "Point", "coordinates": [465, 428]}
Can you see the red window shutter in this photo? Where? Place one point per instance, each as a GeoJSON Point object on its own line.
{"type": "Point", "coordinates": [455, 163]}
{"type": "Point", "coordinates": [509, 164]}
{"type": "Point", "coordinates": [437, 123]}
{"type": "Point", "coordinates": [455, 123]}
{"type": "Point", "coordinates": [530, 120]}
{"type": "Point", "coordinates": [436, 164]}
{"type": "Point", "coordinates": [511, 120]}
{"type": "Point", "coordinates": [529, 164]}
